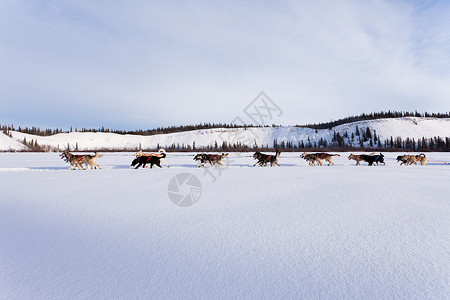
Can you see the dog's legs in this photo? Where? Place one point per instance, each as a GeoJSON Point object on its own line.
{"type": "Point", "coordinates": [96, 165]}
{"type": "Point", "coordinates": [163, 161]}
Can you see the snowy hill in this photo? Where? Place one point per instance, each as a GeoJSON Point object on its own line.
{"type": "Point", "coordinates": [407, 127]}
{"type": "Point", "coordinates": [9, 144]}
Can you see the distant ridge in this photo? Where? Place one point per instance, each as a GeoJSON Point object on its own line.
{"type": "Point", "coordinates": [182, 128]}
{"type": "Point", "coordinates": [385, 134]}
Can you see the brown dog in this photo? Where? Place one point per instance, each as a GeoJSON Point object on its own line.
{"type": "Point", "coordinates": [74, 160]}
{"type": "Point", "coordinates": [408, 160]}
{"type": "Point", "coordinates": [79, 160]}
{"type": "Point", "coordinates": [356, 158]}
{"type": "Point", "coordinates": [312, 158]}
{"type": "Point", "coordinates": [90, 159]}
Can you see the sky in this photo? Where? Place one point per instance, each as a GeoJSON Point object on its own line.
{"type": "Point", "coordinates": [144, 64]}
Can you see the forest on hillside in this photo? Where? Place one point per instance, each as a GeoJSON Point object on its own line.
{"type": "Point", "coordinates": [172, 129]}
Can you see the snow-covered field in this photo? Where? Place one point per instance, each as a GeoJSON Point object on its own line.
{"type": "Point", "coordinates": [285, 232]}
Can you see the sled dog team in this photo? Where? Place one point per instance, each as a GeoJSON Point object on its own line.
{"type": "Point", "coordinates": [144, 159]}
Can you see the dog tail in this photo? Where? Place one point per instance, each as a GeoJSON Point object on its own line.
{"type": "Point", "coordinates": [277, 153]}
{"type": "Point", "coordinates": [96, 155]}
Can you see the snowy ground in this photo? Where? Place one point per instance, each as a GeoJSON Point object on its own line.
{"type": "Point", "coordinates": [287, 232]}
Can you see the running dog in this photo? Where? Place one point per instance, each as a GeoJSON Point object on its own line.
{"type": "Point", "coordinates": [143, 160]}
{"type": "Point", "coordinates": [159, 154]}
{"type": "Point", "coordinates": [359, 158]}
{"type": "Point", "coordinates": [372, 158]}
{"type": "Point", "coordinates": [90, 159]}
{"type": "Point", "coordinates": [212, 159]}
{"type": "Point", "coordinates": [403, 159]}
{"type": "Point", "coordinates": [79, 160]}
{"type": "Point", "coordinates": [412, 159]}
{"type": "Point", "coordinates": [418, 158]}
{"type": "Point", "coordinates": [312, 158]}
{"type": "Point", "coordinates": [74, 160]}
{"type": "Point", "coordinates": [356, 158]}
{"type": "Point", "coordinates": [263, 159]}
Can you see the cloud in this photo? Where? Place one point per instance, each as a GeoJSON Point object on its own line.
{"type": "Point", "coordinates": [146, 64]}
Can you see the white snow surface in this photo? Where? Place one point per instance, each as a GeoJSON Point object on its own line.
{"type": "Point", "coordinates": [411, 127]}
{"type": "Point", "coordinates": [341, 232]}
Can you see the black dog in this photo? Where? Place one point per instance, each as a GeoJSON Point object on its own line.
{"type": "Point", "coordinates": [152, 160]}
{"type": "Point", "coordinates": [371, 159]}
{"type": "Point", "coordinates": [403, 159]}
{"type": "Point", "coordinates": [263, 159]}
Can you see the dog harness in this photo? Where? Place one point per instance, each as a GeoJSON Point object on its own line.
{"type": "Point", "coordinates": [80, 157]}
{"type": "Point", "coordinates": [152, 154]}
{"type": "Point", "coordinates": [149, 157]}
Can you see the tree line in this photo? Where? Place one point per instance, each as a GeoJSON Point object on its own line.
{"type": "Point", "coordinates": [373, 116]}
{"type": "Point", "coordinates": [172, 129]}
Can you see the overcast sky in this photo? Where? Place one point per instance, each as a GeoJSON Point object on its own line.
{"type": "Point", "coordinates": [143, 64]}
